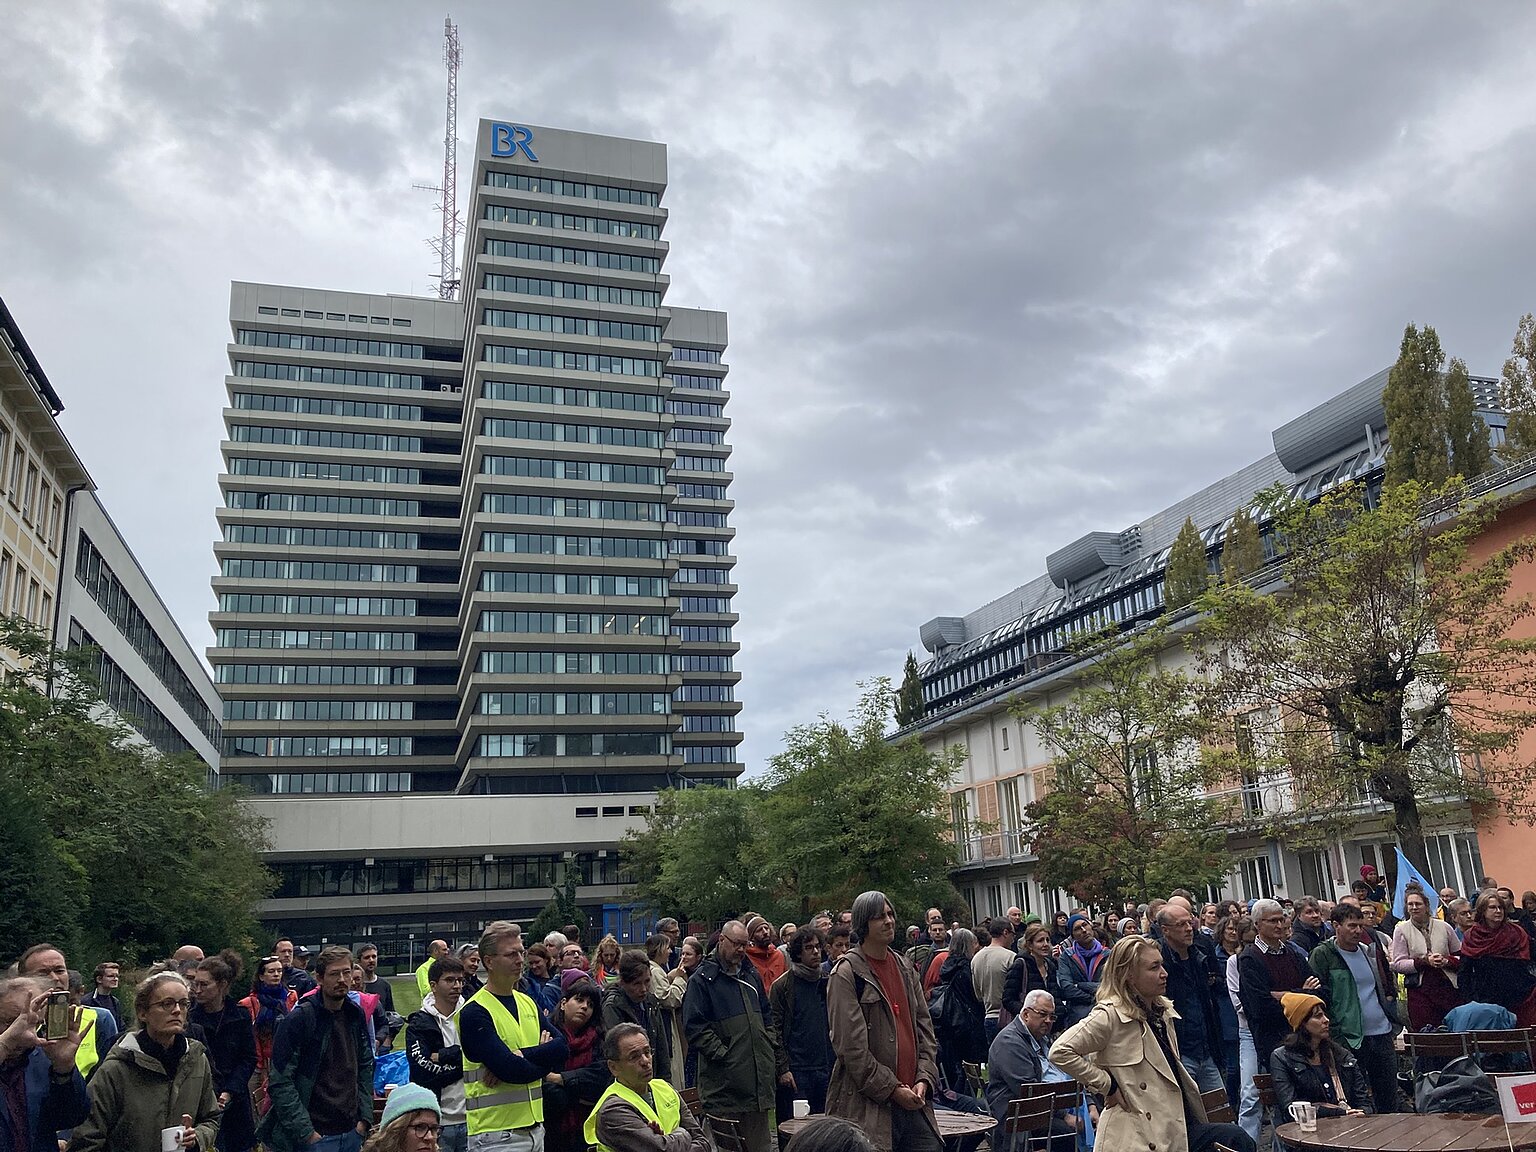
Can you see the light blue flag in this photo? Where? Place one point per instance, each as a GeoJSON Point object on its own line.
{"type": "Point", "coordinates": [1405, 873]}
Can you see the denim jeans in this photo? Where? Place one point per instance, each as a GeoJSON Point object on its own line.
{"type": "Point", "coordinates": [346, 1142]}
{"type": "Point", "coordinates": [1204, 1073]}
{"type": "Point", "coordinates": [453, 1138]}
{"type": "Point", "coordinates": [1250, 1116]}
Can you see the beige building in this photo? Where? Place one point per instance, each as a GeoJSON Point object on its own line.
{"type": "Point", "coordinates": [38, 471]}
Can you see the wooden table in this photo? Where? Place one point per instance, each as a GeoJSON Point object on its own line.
{"type": "Point", "coordinates": [1408, 1132]}
{"type": "Point", "coordinates": [952, 1125]}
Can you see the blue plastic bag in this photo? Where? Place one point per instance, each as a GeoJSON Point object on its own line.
{"type": "Point", "coordinates": [390, 1068]}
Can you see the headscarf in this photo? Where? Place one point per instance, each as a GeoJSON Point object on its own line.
{"type": "Point", "coordinates": [1089, 957]}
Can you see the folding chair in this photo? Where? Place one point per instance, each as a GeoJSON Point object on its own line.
{"type": "Point", "coordinates": [1265, 1083]}
{"type": "Point", "coordinates": [975, 1079]}
{"type": "Point", "coordinates": [1439, 1046]}
{"type": "Point", "coordinates": [727, 1135]}
{"type": "Point", "coordinates": [1218, 1109]}
{"type": "Point", "coordinates": [1506, 1042]}
{"type": "Point", "coordinates": [1028, 1124]}
{"type": "Point", "coordinates": [1064, 1095]}
{"type": "Point", "coordinates": [690, 1097]}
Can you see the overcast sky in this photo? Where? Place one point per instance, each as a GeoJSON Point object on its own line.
{"type": "Point", "coordinates": [994, 280]}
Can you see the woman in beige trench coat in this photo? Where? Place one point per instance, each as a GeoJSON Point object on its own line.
{"type": "Point", "coordinates": [1127, 1051]}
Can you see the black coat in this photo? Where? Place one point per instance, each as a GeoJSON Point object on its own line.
{"type": "Point", "coordinates": [231, 1043]}
{"type": "Point", "coordinates": [1297, 1079]}
{"type": "Point", "coordinates": [961, 1033]}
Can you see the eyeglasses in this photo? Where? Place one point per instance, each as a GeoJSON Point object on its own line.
{"type": "Point", "coordinates": [171, 1004]}
{"type": "Point", "coordinates": [1043, 1015]}
{"type": "Point", "coordinates": [425, 1130]}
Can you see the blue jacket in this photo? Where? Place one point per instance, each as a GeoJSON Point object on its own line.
{"type": "Point", "coordinates": [1077, 991]}
{"type": "Point", "coordinates": [52, 1106]}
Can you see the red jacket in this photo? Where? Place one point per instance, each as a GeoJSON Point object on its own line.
{"type": "Point", "coordinates": [769, 962]}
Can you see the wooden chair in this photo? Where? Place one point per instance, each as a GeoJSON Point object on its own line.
{"type": "Point", "coordinates": [975, 1079]}
{"type": "Point", "coordinates": [1064, 1095]}
{"type": "Point", "coordinates": [1028, 1124]}
{"type": "Point", "coordinates": [1505, 1042]}
{"type": "Point", "coordinates": [1265, 1083]}
{"type": "Point", "coordinates": [727, 1135]}
{"type": "Point", "coordinates": [690, 1097]}
{"type": "Point", "coordinates": [1218, 1109]}
{"type": "Point", "coordinates": [1435, 1047]}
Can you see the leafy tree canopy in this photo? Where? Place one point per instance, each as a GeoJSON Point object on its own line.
{"type": "Point", "coordinates": [1187, 574]}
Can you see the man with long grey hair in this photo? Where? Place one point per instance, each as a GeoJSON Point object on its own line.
{"type": "Point", "coordinates": [886, 1072]}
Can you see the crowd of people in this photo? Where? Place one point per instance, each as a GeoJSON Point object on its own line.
{"type": "Point", "coordinates": [524, 1045]}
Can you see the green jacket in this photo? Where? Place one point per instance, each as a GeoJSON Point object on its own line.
{"type": "Point", "coordinates": [1344, 998]}
{"type": "Point", "coordinates": [132, 1099]}
{"type": "Point", "coordinates": [298, 1051]}
{"type": "Point", "coordinates": [727, 1019]}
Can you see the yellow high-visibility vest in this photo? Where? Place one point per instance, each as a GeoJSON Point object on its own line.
{"type": "Point", "coordinates": [86, 1056]}
{"type": "Point", "coordinates": [503, 1106]}
{"type": "Point", "coordinates": [667, 1114]}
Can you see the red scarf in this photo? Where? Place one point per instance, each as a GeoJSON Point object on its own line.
{"type": "Point", "coordinates": [1508, 942]}
{"type": "Point", "coordinates": [580, 1047]}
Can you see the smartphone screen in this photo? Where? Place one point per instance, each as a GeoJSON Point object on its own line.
{"type": "Point", "coordinates": [56, 1020]}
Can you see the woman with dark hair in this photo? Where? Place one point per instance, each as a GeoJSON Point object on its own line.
{"type": "Point", "coordinates": [1310, 1066]}
{"type": "Point", "coordinates": [231, 1042]}
{"type": "Point", "coordinates": [1059, 934]}
{"type": "Point", "coordinates": [570, 1093]}
{"type": "Point", "coordinates": [1037, 971]}
{"type": "Point", "coordinates": [268, 1003]}
{"type": "Point", "coordinates": [1495, 961]}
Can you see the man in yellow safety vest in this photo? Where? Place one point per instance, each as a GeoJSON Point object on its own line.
{"type": "Point", "coordinates": [638, 1113]}
{"type": "Point", "coordinates": [509, 1047]}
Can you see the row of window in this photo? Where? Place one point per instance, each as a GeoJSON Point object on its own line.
{"type": "Point", "coordinates": [319, 537]}
{"type": "Point", "coordinates": [687, 662]}
{"type": "Point", "coordinates": [572, 290]}
{"type": "Point", "coordinates": [702, 576]}
{"type": "Point", "coordinates": [320, 406]}
{"type": "Point", "coordinates": [589, 470]}
{"type": "Point", "coordinates": [125, 698]}
{"type": "Point", "coordinates": [697, 519]}
{"type": "Point", "coordinates": [548, 186]}
{"type": "Point", "coordinates": [306, 502]}
{"type": "Point", "coordinates": [705, 693]}
{"type": "Point", "coordinates": [697, 355]}
{"type": "Point", "coordinates": [323, 438]}
{"type": "Point", "coordinates": [311, 674]}
{"type": "Point", "coordinates": [574, 664]}
{"type": "Point", "coordinates": [705, 604]}
{"type": "Point", "coordinates": [319, 710]}
{"type": "Point", "coordinates": [309, 374]}
{"type": "Point", "coordinates": [319, 746]}
{"type": "Point", "coordinates": [501, 214]}
{"type": "Point", "coordinates": [574, 704]}
{"type": "Point", "coordinates": [575, 744]}
{"type": "Point", "coordinates": [404, 877]}
{"type": "Point", "coordinates": [702, 492]}
{"type": "Point", "coordinates": [629, 547]}
{"type": "Point", "coordinates": [572, 584]}
{"type": "Point", "coordinates": [572, 361]}
{"type": "Point", "coordinates": [351, 318]}
{"type": "Point", "coordinates": [26, 595]}
{"type": "Point", "coordinates": [696, 436]}
{"type": "Point", "coordinates": [318, 570]}
{"type": "Point", "coordinates": [320, 640]}
{"type": "Point", "coordinates": [324, 470]}
{"type": "Point", "coordinates": [585, 623]}
{"type": "Point", "coordinates": [570, 433]}
{"type": "Point", "coordinates": [97, 578]}
{"type": "Point", "coordinates": [253, 602]}
{"type": "Point", "coordinates": [587, 257]}
{"type": "Point", "coordinates": [699, 547]}
{"type": "Point", "coordinates": [709, 723]}
{"type": "Point", "coordinates": [695, 408]}
{"type": "Point", "coordinates": [699, 464]}
{"type": "Point", "coordinates": [701, 383]}
{"type": "Point", "coordinates": [570, 397]}
{"type": "Point", "coordinates": [31, 494]}
{"type": "Point", "coordinates": [702, 633]}
{"type": "Point", "coordinates": [709, 754]}
{"type": "Point", "coordinates": [314, 342]}
{"type": "Point", "coordinates": [572, 325]}
{"type": "Point", "coordinates": [293, 783]}
{"type": "Point", "coordinates": [519, 504]}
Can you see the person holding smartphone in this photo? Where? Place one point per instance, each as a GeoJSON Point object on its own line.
{"type": "Point", "coordinates": [52, 1094]}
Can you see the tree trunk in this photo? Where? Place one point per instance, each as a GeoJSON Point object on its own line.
{"type": "Point", "coordinates": [1410, 831]}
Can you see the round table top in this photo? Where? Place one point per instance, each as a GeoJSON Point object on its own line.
{"type": "Point", "coordinates": [1409, 1132]}
{"type": "Point", "coordinates": [951, 1123]}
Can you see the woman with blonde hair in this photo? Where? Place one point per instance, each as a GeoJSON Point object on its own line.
{"type": "Point", "coordinates": [1127, 1051]}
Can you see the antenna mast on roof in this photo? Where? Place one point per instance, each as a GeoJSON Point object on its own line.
{"type": "Point", "coordinates": [447, 244]}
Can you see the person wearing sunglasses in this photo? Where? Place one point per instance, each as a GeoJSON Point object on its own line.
{"type": "Point", "coordinates": [152, 1077]}
{"type": "Point", "coordinates": [412, 1121]}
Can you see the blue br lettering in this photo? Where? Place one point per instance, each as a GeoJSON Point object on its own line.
{"type": "Point", "coordinates": [509, 139]}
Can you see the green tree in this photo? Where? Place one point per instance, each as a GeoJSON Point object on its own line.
{"type": "Point", "coordinates": [39, 881]}
{"type": "Point", "coordinates": [562, 908]}
{"type": "Point", "coordinates": [1243, 551]}
{"type": "Point", "coordinates": [1187, 574]}
{"type": "Point", "coordinates": [703, 855]}
{"type": "Point", "coordinates": [1398, 657]}
{"type": "Point", "coordinates": [909, 701]}
{"type": "Point", "coordinates": [1416, 411]}
{"type": "Point", "coordinates": [155, 857]}
{"type": "Point", "coordinates": [1470, 452]}
{"type": "Point", "coordinates": [1126, 813]}
{"type": "Point", "coordinates": [1518, 392]}
{"type": "Point", "coordinates": [850, 810]}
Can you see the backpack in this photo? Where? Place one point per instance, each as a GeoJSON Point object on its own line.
{"type": "Point", "coordinates": [938, 1003]}
{"type": "Point", "coordinates": [1461, 1086]}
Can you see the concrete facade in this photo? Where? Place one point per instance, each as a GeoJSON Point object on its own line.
{"type": "Point", "coordinates": [475, 566]}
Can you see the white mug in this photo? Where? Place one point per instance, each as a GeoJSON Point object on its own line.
{"type": "Point", "coordinates": [802, 1109]}
{"type": "Point", "coordinates": [1304, 1112]}
{"type": "Point", "coordinates": [170, 1139]}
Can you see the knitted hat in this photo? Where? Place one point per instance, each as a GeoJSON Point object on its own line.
{"type": "Point", "coordinates": [753, 923]}
{"type": "Point", "coordinates": [1077, 918]}
{"type": "Point", "coordinates": [572, 977]}
{"type": "Point", "coordinates": [1297, 1006]}
{"type": "Point", "coordinates": [410, 1098]}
